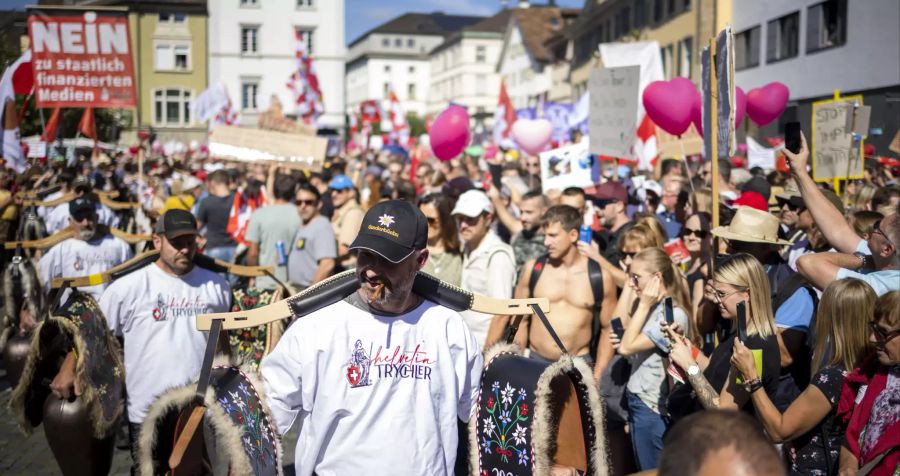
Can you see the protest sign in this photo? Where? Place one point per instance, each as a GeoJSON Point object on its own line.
{"type": "Point", "coordinates": [256, 145]}
{"type": "Point", "coordinates": [895, 143]}
{"type": "Point", "coordinates": [568, 166]}
{"type": "Point", "coordinates": [759, 155]}
{"type": "Point", "coordinates": [82, 58]}
{"type": "Point", "coordinates": [558, 114]}
{"type": "Point", "coordinates": [613, 108]}
{"type": "Point", "coordinates": [723, 62]}
{"type": "Point", "coordinates": [832, 148]}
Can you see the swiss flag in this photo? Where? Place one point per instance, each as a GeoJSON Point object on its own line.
{"type": "Point", "coordinates": [645, 148]}
{"type": "Point", "coordinates": [504, 116]}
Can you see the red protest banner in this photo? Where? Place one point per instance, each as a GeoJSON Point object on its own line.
{"type": "Point", "coordinates": [81, 59]}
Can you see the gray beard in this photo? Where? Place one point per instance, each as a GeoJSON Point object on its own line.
{"type": "Point", "coordinates": [86, 234]}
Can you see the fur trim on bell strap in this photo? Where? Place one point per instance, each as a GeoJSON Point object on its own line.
{"type": "Point", "coordinates": [216, 418]}
{"type": "Point", "coordinates": [492, 353]}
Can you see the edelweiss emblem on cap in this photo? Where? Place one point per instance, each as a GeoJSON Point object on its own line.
{"type": "Point", "coordinates": [386, 220]}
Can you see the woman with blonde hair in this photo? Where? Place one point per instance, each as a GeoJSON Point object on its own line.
{"type": "Point", "coordinates": [738, 278]}
{"type": "Point", "coordinates": [638, 237]}
{"type": "Point", "coordinates": [811, 424]}
{"type": "Point", "coordinates": [654, 225]}
{"type": "Point", "coordinates": [652, 277]}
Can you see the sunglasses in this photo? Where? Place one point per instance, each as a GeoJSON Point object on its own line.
{"type": "Point", "coordinates": [432, 221]}
{"type": "Point", "coordinates": [306, 202]}
{"type": "Point", "coordinates": [626, 254]}
{"type": "Point", "coordinates": [876, 228]}
{"type": "Point", "coordinates": [701, 234]}
{"type": "Point", "coordinates": [882, 337]}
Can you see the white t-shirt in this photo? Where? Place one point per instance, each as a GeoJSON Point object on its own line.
{"type": "Point", "coordinates": [73, 258]}
{"type": "Point", "coordinates": [155, 312]}
{"type": "Point", "coordinates": [375, 394]}
{"type": "Point", "coordinates": [43, 211]}
{"type": "Point", "coordinates": [58, 218]}
{"type": "Point", "coordinates": [489, 269]}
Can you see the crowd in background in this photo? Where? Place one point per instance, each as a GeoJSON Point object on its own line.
{"type": "Point", "coordinates": [815, 274]}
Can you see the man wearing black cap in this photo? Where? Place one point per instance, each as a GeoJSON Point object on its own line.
{"type": "Point", "coordinates": [380, 379]}
{"type": "Point", "coordinates": [58, 218]}
{"type": "Point", "coordinates": [154, 309]}
{"type": "Point", "coordinates": [92, 250]}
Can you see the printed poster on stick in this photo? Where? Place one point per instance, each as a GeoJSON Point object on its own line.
{"type": "Point", "coordinates": [81, 58]}
{"type": "Point", "coordinates": [568, 166]}
{"type": "Point", "coordinates": [834, 153]}
{"type": "Point", "coordinates": [613, 109]}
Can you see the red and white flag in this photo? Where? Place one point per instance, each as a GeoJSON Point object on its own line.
{"type": "Point", "coordinates": [369, 111]}
{"type": "Point", "coordinates": [394, 121]}
{"type": "Point", "coordinates": [504, 117]}
{"type": "Point", "coordinates": [17, 79]}
{"type": "Point", "coordinates": [304, 83]}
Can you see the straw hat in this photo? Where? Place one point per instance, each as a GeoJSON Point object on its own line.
{"type": "Point", "coordinates": [751, 225]}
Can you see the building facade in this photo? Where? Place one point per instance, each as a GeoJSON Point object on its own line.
{"type": "Point", "coordinates": [463, 70]}
{"type": "Point", "coordinates": [815, 47]}
{"type": "Point", "coordinates": [396, 56]}
{"type": "Point", "coordinates": [252, 46]}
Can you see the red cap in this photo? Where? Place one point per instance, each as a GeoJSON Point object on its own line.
{"type": "Point", "coordinates": [752, 200]}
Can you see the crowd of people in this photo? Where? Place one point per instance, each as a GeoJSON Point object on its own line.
{"type": "Point", "coordinates": [785, 307]}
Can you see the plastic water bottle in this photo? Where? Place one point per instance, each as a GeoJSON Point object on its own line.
{"type": "Point", "coordinates": [585, 233]}
{"type": "Point", "coordinates": [282, 256]}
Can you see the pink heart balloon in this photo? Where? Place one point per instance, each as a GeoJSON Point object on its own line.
{"type": "Point", "coordinates": [765, 104]}
{"type": "Point", "coordinates": [740, 106]}
{"type": "Point", "coordinates": [449, 133]}
{"type": "Point", "coordinates": [669, 103]}
{"type": "Point", "coordinates": [532, 135]}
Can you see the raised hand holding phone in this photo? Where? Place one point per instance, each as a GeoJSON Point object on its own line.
{"type": "Point", "coordinates": [742, 321]}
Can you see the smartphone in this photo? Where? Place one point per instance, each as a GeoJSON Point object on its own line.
{"type": "Point", "coordinates": [670, 312]}
{"type": "Point", "coordinates": [617, 327]}
{"type": "Point", "coordinates": [742, 321]}
{"type": "Point", "coordinates": [496, 174]}
{"type": "Point", "coordinates": [792, 140]}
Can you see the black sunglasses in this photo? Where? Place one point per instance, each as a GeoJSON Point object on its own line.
{"type": "Point", "coordinates": [882, 337]}
{"type": "Point", "coordinates": [700, 234]}
{"type": "Point", "coordinates": [876, 228]}
{"type": "Point", "coordinates": [626, 254]}
{"type": "Point", "coordinates": [307, 202]}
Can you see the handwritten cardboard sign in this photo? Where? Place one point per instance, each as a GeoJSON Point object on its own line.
{"type": "Point", "coordinates": [257, 145]}
{"type": "Point", "coordinates": [834, 153]}
{"type": "Point", "coordinates": [568, 166]}
{"type": "Point", "coordinates": [612, 122]}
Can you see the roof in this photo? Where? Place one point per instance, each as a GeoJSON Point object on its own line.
{"type": "Point", "coordinates": [436, 23]}
{"type": "Point", "coordinates": [496, 24]}
{"type": "Point", "coordinates": [537, 25]}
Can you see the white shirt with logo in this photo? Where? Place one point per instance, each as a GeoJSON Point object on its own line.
{"type": "Point", "coordinates": [374, 394]}
{"type": "Point", "coordinates": [74, 258]}
{"type": "Point", "coordinates": [156, 314]}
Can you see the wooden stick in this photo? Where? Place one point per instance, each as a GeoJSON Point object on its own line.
{"type": "Point", "coordinates": [186, 434]}
{"type": "Point", "coordinates": [714, 130]}
{"type": "Point", "coordinates": [66, 198]}
{"type": "Point", "coordinates": [42, 243]}
{"type": "Point", "coordinates": [130, 238]}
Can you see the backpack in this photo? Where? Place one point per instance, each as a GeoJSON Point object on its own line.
{"type": "Point", "coordinates": [595, 275]}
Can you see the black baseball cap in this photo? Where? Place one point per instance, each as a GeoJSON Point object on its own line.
{"type": "Point", "coordinates": [83, 204]}
{"type": "Point", "coordinates": [175, 223]}
{"type": "Point", "coordinates": [392, 229]}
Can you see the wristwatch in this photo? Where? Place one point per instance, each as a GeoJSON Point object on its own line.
{"type": "Point", "coordinates": [694, 369]}
{"type": "Point", "coordinates": [864, 260]}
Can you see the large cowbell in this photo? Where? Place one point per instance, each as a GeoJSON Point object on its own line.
{"type": "Point", "coordinates": [532, 415]}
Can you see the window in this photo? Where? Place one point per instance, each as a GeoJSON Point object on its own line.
{"type": "Point", "coordinates": [657, 11]}
{"type": "Point", "coordinates": [670, 10]}
{"type": "Point", "coordinates": [172, 57]}
{"type": "Point", "coordinates": [398, 42]}
{"type": "Point", "coordinates": [249, 90]}
{"type": "Point", "coordinates": [640, 14]}
{"type": "Point", "coordinates": [687, 5]}
{"type": "Point", "coordinates": [826, 25]}
{"type": "Point", "coordinates": [385, 42]}
{"type": "Point", "coordinates": [411, 70]}
{"type": "Point", "coordinates": [411, 91]}
{"type": "Point", "coordinates": [306, 36]}
{"type": "Point", "coordinates": [782, 37]}
{"type": "Point", "coordinates": [667, 54]}
{"type": "Point", "coordinates": [686, 56]}
{"type": "Point", "coordinates": [249, 3]}
{"type": "Point", "coordinates": [172, 107]}
{"type": "Point", "coordinates": [386, 91]}
{"type": "Point", "coordinates": [249, 43]}
{"type": "Point", "coordinates": [169, 17]}
{"type": "Point", "coordinates": [410, 43]}
{"type": "Point", "coordinates": [625, 21]}
{"type": "Point", "coordinates": [746, 49]}
{"type": "Point", "coordinates": [387, 69]}
{"type": "Point", "coordinates": [480, 85]}
{"type": "Point", "coordinates": [304, 3]}
{"type": "Point", "coordinates": [480, 54]}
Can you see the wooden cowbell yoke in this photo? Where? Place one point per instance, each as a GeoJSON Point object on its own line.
{"type": "Point", "coordinates": [212, 399]}
{"type": "Point", "coordinates": [80, 431]}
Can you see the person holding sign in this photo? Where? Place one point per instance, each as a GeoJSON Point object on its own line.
{"type": "Point", "coordinates": [811, 423]}
{"type": "Point", "coordinates": [738, 279]}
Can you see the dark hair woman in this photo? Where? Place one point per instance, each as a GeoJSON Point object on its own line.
{"type": "Point", "coordinates": [444, 257]}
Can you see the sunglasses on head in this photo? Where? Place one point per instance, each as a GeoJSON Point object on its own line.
{"type": "Point", "coordinates": [701, 234]}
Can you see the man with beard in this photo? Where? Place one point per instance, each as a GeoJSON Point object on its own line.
{"type": "Point", "coordinates": [58, 217]}
{"type": "Point", "coordinates": [92, 250]}
{"type": "Point", "coordinates": [154, 310]}
{"type": "Point", "coordinates": [528, 241]}
{"type": "Point", "coordinates": [610, 202]}
{"type": "Point", "coordinates": [380, 371]}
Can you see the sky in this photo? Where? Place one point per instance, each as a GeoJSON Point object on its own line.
{"type": "Point", "coordinates": [363, 15]}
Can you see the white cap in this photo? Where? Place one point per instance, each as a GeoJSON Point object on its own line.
{"type": "Point", "coordinates": [189, 182]}
{"type": "Point", "coordinates": [472, 204]}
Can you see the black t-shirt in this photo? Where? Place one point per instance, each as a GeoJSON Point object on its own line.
{"type": "Point", "coordinates": [720, 364]}
{"type": "Point", "coordinates": [809, 456]}
{"type": "Point", "coordinates": [611, 253]}
{"type": "Point", "coordinates": [213, 212]}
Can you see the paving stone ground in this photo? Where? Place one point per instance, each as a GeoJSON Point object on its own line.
{"type": "Point", "coordinates": [31, 456]}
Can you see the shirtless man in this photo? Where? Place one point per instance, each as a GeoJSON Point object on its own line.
{"type": "Point", "coordinates": [564, 281]}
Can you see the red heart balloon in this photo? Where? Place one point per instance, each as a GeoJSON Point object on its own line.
{"type": "Point", "coordinates": [765, 104]}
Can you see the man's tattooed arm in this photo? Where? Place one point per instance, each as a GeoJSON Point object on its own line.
{"type": "Point", "coordinates": [708, 397]}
